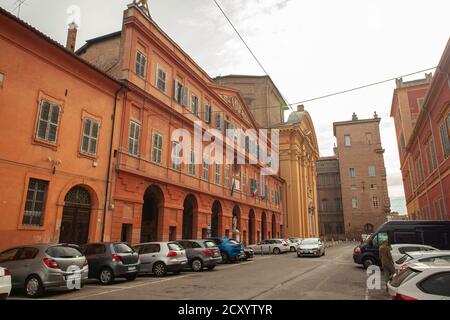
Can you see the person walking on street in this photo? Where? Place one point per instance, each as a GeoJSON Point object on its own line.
{"type": "Point", "coordinates": [386, 260]}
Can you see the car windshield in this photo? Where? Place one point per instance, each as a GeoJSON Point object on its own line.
{"type": "Point", "coordinates": [310, 241]}
{"type": "Point", "coordinates": [403, 276]}
{"type": "Point", "coordinates": [63, 252]}
{"type": "Point", "coordinates": [210, 244]}
{"type": "Point", "coordinates": [175, 246]}
{"type": "Point", "coordinates": [122, 248]}
{"type": "Point", "coordinates": [403, 259]}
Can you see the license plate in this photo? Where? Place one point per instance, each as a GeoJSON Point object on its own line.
{"type": "Point", "coordinates": [131, 268]}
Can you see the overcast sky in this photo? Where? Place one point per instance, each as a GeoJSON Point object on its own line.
{"type": "Point", "coordinates": [309, 48]}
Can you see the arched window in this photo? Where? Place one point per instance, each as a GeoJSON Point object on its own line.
{"type": "Point", "coordinates": [368, 228]}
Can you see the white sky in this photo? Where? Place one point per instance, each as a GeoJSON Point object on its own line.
{"type": "Point", "coordinates": [309, 48]}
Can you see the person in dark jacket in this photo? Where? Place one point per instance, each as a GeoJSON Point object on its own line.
{"type": "Point", "coordinates": [386, 260]}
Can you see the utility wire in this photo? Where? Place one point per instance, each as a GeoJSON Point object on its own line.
{"type": "Point", "coordinates": [362, 87]}
{"type": "Point", "coordinates": [247, 46]}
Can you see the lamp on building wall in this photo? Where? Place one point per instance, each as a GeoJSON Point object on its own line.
{"type": "Point", "coordinates": [54, 162]}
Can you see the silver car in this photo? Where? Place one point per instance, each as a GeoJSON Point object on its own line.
{"type": "Point", "coordinates": [37, 267]}
{"type": "Point", "coordinates": [311, 247]}
{"type": "Point", "coordinates": [275, 246]}
{"type": "Point", "coordinates": [160, 258]}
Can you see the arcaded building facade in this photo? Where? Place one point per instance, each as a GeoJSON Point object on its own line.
{"type": "Point", "coordinates": [155, 198]}
{"type": "Point", "coordinates": [365, 198]}
{"type": "Point", "coordinates": [331, 215]}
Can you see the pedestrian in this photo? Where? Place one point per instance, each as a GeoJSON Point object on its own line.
{"type": "Point", "coordinates": [386, 260]}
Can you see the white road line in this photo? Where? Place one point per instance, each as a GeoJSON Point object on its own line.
{"type": "Point", "coordinates": [127, 288]}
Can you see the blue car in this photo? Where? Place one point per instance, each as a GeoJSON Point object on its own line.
{"type": "Point", "coordinates": [230, 249]}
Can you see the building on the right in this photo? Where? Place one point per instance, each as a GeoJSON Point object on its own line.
{"type": "Point", "coordinates": [365, 198]}
{"type": "Point", "coordinates": [421, 112]}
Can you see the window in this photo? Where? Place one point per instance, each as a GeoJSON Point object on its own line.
{"type": "Point", "coordinates": [227, 176]}
{"type": "Point", "coordinates": [375, 202]}
{"type": "Point", "coordinates": [157, 148]}
{"type": "Point", "coordinates": [372, 172]}
{"type": "Point", "coordinates": [419, 170]}
{"type": "Point", "coordinates": [420, 102]}
{"type": "Point", "coordinates": [35, 203]}
{"type": "Point", "coordinates": [437, 284]}
{"type": "Point", "coordinates": [220, 122]}
{"type": "Point", "coordinates": [194, 104]}
{"type": "Point", "coordinates": [177, 88]}
{"type": "Point", "coordinates": [431, 156]}
{"type": "Point", "coordinates": [90, 137]}
{"type": "Point", "coordinates": [368, 228]}
{"type": "Point", "coordinates": [373, 186]}
{"type": "Point", "coordinates": [141, 64]}
{"type": "Point", "coordinates": [191, 167]}
{"type": "Point", "coordinates": [161, 77]}
{"type": "Point", "coordinates": [445, 135]}
{"type": "Point", "coordinates": [8, 255]}
{"type": "Point", "coordinates": [369, 138]}
{"type": "Point", "coordinates": [347, 140]}
{"type": "Point", "coordinates": [338, 204]}
{"type": "Point", "coordinates": [324, 205]}
{"type": "Point", "coordinates": [205, 171]}
{"type": "Point", "coordinates": [379, 238]}
{"type": "Point", "coordinates": [352, 172]}
{"type": "Point", "coordinates": [208, 112]}
{"type": "Point", "coordinates": [405, 237]}
{"type": "Point", "coordinates": [244, 183]}
{"type": "Point", "coordinates": [217, 174]}
{"type": "Point", "coordinates": [48, 121]}
{"type": "Point", "coordinates": [133, 138]}
{"type": "Point", "coordinates": [355, 203]}
{"type": "Point", "coordinates": [176, 157]}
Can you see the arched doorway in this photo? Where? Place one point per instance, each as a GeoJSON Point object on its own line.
{"type": "Point", "coordinates": [251, 227]}
{"type": "Point", "coordinates": [216, 212]}
{"type": "Point", "coordinates": [76, 216]}
{"type": "Point", "coordinates": [236, 223]}
{"type": "Point", "coordinates": [263, 226]}
{"type": "Point", "coordinates": [189, 209]}
{"type": "Point", "coordinates": [274, 226]}
{"type": "Point", "coordinates": [153, 202]}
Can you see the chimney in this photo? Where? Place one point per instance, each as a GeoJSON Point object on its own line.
{"type": "Point", "coordinates": [72, 37]}
{"type": "Point", "coordinates": [300, 108]}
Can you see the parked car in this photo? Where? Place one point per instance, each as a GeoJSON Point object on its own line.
{"type": "Point", "coordinates": [159, 258]}
{"type": "Point", "coordinates": [249, 254]}
{"type": "Point", "coordinates": [421, 256]}
{"type": "Point", "coordinates": [422, 281]}
{"type": "Point", "coordinates": [311, 247]}
{"type": "Point", "coordinates": [38, 267]}
{"type": "Point", "coordinates": [432, 233]}
{"type": "Point", "coordinates": [230, 249]}
{"type": "Point", "coordinates": [399, 250]}
{"type": "Point", "coordinates": [110, 260]}
{"type": "Point", "coordinates": [5, 283]}
{"type": "Point", "coordinates": [275, 246]}
{"type": "Point", "coordinates": [293, 244]}
{"type": "Point", "coordinates": [201, 254]}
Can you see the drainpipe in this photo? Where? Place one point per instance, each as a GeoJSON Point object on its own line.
{"type": "Point", "coordinates": [108, 174]}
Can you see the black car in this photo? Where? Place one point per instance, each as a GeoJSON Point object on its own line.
{"type": "Point", "coordinates": [249, 254]}
{"type": "Point", "coordinates": [111, 260]}
{"type": "Point", "coordinates": [432, 233]}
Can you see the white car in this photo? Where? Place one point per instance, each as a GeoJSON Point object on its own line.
{"type": "Point", "coordinates": [311, 247]}
{"type": "Point", "coordinates": [421, 256]}
{"type": "Point", "coordinates": [293, 244]}
{"type": "Point", "coordinates": [422, 281]}
{"type": "Point", "coordinates": [275, 246]}
{"type": "Point", "coordinates": [399, 250]}
{"type": "Point", "coordinates": [5, 283]}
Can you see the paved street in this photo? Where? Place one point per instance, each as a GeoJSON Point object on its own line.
{"type": "Point", "coordinates": [333, 276]}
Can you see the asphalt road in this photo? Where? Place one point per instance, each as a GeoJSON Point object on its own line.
{"type": "Point", "coordinates": [272, 277]}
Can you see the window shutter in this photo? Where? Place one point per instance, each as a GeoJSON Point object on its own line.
{"type": "Point", "coordinates": [176, 94]}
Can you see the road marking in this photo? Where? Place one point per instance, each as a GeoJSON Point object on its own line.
{"type": "Point", "coordinates": [130, 287]}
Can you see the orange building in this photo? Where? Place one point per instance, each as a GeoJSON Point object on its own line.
{"type": "Point", "coordinates": [154, 198]}
{"type": "Point", "coordinates": [56, 136]}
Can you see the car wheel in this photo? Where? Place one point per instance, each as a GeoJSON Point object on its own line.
{"type": "Point", "coordinates": [367, 262]}
{"type": "Point", "coordinates": [131, 277]}
{"type": "Point", "coordinates": [197, 265]}
{"type": "Point", "coordinates": [225, 257]}
{"type": "Point", "coordinates": [292, 249]}
{"type": "Point", "coordinates": [210, 268]}
{"type": "Point", "coordinates": [106, 276]}
{"type": "Point", "coordinates": [276, 251]}
{"type": "Point", "coordinates": [159, 269]}
{"type": "Point", "coordinates": [34, 287]}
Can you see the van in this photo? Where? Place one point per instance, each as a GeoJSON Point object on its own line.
{"type": "Point", "coordinates": [432, 233]}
